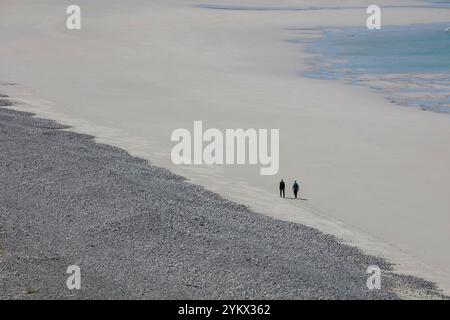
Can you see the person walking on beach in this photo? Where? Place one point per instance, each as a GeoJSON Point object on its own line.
{"type": "Point", "coordinates": [295, 188]}
{"type": "Point", "coordinates": [282, 188]}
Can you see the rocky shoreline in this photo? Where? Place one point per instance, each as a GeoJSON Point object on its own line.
{"type": "Point", "coordinates": [141, 232]}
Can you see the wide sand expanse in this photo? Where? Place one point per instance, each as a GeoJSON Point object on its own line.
{"type": "Point", "coordinates": [374, 173]}
{"type": "Point", "coordinates": [140, 232]}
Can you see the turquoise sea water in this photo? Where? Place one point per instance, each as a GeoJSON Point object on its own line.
{"type": "Point", "coordinates": [409, 63]}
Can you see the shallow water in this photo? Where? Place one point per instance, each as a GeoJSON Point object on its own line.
{"type": "Point", "coordinates": [411, 64]}
{"type": "Point", "coordinates": [427, 4]}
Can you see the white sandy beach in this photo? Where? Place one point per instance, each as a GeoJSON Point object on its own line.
{"type": "Point", "coordinates": [375, 174]}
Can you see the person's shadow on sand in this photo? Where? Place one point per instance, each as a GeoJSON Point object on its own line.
{"type": "Point", "coordinates": [292, 198]}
